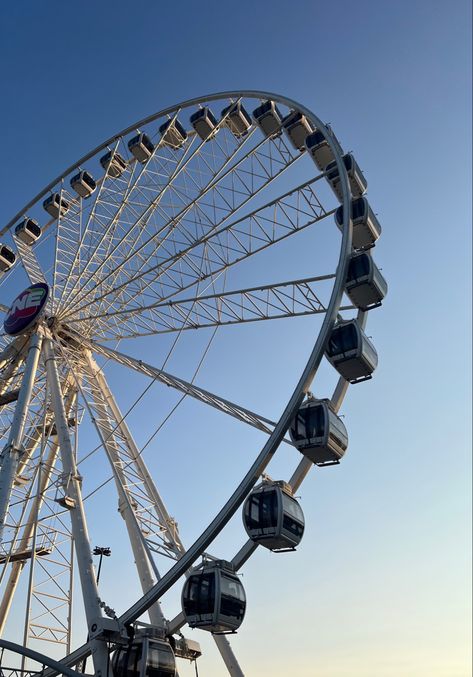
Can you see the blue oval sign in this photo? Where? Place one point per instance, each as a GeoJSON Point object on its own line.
{"type": "Point", "coordinates": [26, 308]}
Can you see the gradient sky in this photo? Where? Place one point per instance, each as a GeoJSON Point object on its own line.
{"type": "Point", "coordinates": [380, 584]}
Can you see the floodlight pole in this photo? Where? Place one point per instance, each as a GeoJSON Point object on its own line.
{"type": "Point", "coordinates": [101, 552]}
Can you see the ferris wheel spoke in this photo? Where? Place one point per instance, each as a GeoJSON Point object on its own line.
{"type": "Point", "coordinates": [149, 195]}
{"type": "Point", "coordinates": [105, 210]}
{"type": "Point", "coordinates": [226, 406]}
{"type": "Point", "coordinates": [117, 227]}
{"type": "Point", "coordinates": [68, 233]}
{"type": "Point", "coordinates": [180, 269]}
{"type": "Point", "coordinates": [115, 212]}
{"type": "Point", "coordinates": [30, 262]}
{"type": "Point", "coordinates": [282, 300]}
{"type": "Point", "coordinates": [223, 197]}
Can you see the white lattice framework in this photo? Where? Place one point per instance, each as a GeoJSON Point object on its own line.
{"type": "Point", "coordinates": [151, 252]}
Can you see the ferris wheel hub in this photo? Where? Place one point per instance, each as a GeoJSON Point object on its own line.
{"type": "Point", "coordinates": [26, 309]}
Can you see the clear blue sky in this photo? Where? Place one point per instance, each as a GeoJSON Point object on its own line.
{"type": "Point", "coordinates": [379, 587]}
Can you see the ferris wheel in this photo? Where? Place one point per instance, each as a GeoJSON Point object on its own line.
{"type": "Point", "coordinates": [186, 220]}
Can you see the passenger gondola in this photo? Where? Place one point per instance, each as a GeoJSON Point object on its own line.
{"type": "Point", "coordinates": [351, 352]}
{"type": "Point", "coordinates": [237, 119]}
{"type": "Point", "coordinates": [56, 205]}
{"type": "Point", "coordinates": [213, 598]}
{"type": "Point", "coordinates": [268, 118]}
{"type": "Point", "coordinates": [28, 231]}
{"type": "Point", "coordinates": [366, 227]}
{"type": "Point", "coordinates": [7, 258]}
{"type": "Point", "coordinates": [113, 164]}
{"type": "Point", "coordinates": [173, 133]}
{"type": "Point", "coordinates": [204, 122]}
{"type": "Point", "coordinates": [272, 517]}
{"type": "Point", "coordinates": [319, 433]}
{"type": "Point", "coordinates": [297, 127]}
{"type": "Point", "coordinates": [319, 149]}
{"type": "Point", "coordinates": [357, 181]}
{"type": "Point", "coordinates": [141, 147]}
{"type": "Point", "coordinates": [145, 656]}
{"type": "Point", "coordinates": [365, 286]}
{"type": "Point", "coordinates": [83, 184]}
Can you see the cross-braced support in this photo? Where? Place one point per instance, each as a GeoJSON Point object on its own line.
{"type": "Point", "coordinates": [11, 453]}
{"type": "Point", "coordinates": [78, 522]}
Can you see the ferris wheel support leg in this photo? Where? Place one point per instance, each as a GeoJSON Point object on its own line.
{"type": "Point", "coordinates": [78, 522]}
{"type": "Point", "coordinates": [17, 567]}
{"type": "Point", "coordinates": [228, 656]}
{"type": "Point", "coordinates": [141, 554]}
{"type": "Point", "coordinates": [11, 453]}
{"type": "Point", "coordinates": [122, 427]}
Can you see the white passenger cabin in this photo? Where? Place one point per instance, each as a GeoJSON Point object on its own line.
{"type": "Point", "coordinates": [318, 433]}
{"type": "Point", "coordinates": [113, 163]}
{"type": "Point", "coordinates": [237, 119]}
{"type": "Point", "coordinates": [357, 181]}
{"type": "Point", "coordinates": [56, 205]}
{"type": "Point", "coordinates": [83, 184]}
{"type": "Point", "coordinates": [365, 285]}
{"type": "Point", "coordinates": [366, 227]}
{"type": "Point", "coordinates": [351, 352]}
{"type": "Point", "coordinates": [204, 122]}
{"type": "Point", "coordinates": [297, 127]}
{"type": "Point", "coordinates": [173, 133]}
{"type": "Point", "coordinates": [319, 149]}
{"type": "Point", "coordinates": [141, 147]}
{"type": "Point", "coordinates": [7, 258]}
{"type": "Point", "coordinates": [28, 231]}
{"type": "Point", "coordinates": [268, 118]}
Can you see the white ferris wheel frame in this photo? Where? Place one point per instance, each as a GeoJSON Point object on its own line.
{"type": "Point", "coordinates": [103, 397]}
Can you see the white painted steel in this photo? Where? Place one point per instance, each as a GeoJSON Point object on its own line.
{"type": "Point", "coordinates": [11, 453]}
{"type": "Point", "coordinates": [100, 289]}
{"type": "Point", "coordinates": [80, 534]}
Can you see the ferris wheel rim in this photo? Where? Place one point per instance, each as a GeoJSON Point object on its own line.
{"type": "Point", "coordinates": [154, 116]}
{"type": "Point", "coordinates": [309, 371]}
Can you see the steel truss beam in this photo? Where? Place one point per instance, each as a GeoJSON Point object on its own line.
{"type": "Point", "coordinates": [49, 607]}
{"type": "Point", "coordinates": [11, 453]}
{"type": "Point", "coordinates": [181, 265]}
{"type": "Point", "coordinates": [25, 526]}
{"type": "Point", "coordinates": [242, 414]}
{"type": "Point", "coordinates": [184, 206]}
{"type": "Point", "coordinates": [30, 262]}
{"type": "Point", "coordinates": [269, 302]}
